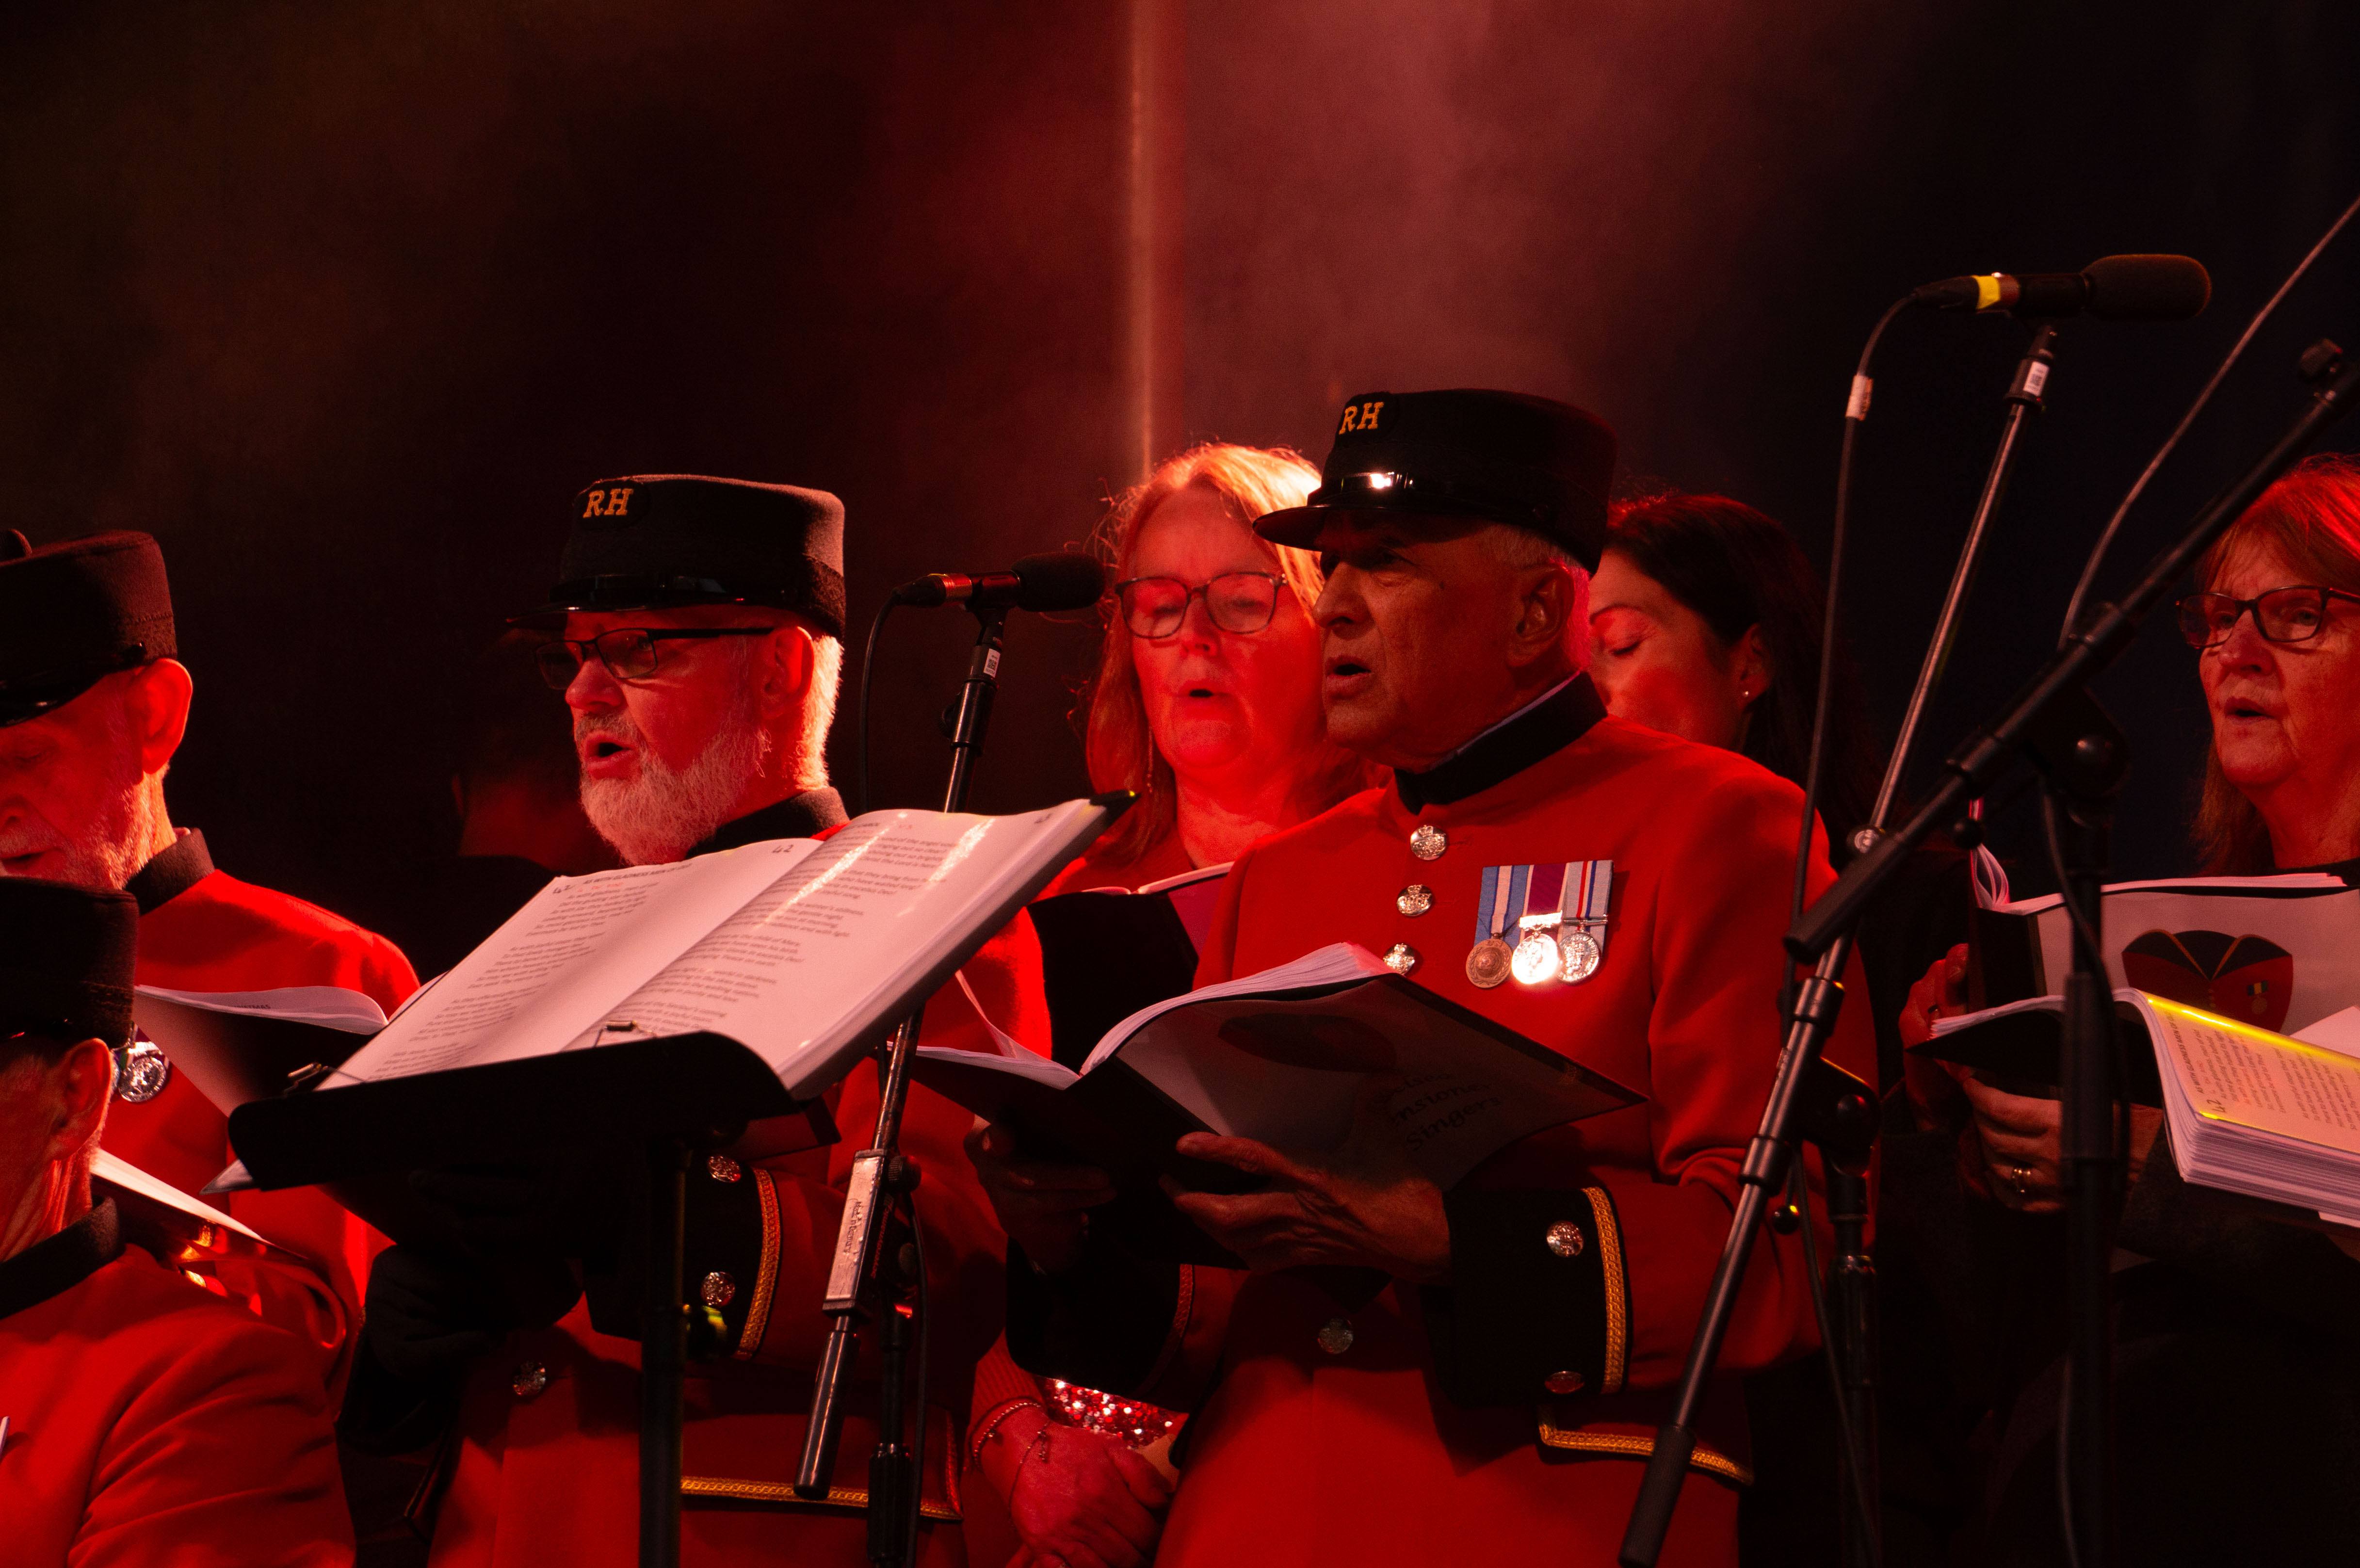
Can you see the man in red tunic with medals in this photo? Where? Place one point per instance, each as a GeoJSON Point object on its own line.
{"type": "Point", "coordinates": [143, 1420]}
{"type": "Point", "coordinates": [93, 703]}
{"type": "Point", "coordinates": [1404, 1374]}
{"type": "Point", "coordinates": [703, 623]}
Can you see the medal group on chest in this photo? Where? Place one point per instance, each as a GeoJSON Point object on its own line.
{"type": "Point", "coordinates": [1539, 925]}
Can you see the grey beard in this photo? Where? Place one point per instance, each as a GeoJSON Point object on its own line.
{"type": "Point", "coordinates": [115, 847]}
{"type": "Point", "coordinates": [662, 814]}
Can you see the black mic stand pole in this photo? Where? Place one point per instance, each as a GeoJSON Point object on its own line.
{"type": "Point", "coordinates": [857, 1287]}
{"type": "Point", "coordinates": [2024, 395]}
{"type": "Point", "coordinates": [2054, 718]}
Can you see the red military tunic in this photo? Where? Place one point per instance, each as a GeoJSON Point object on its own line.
{"type": "Point", "coordinates": [1421, 1427]}
{"type": "Point", "coordinates": [201, 930]}
{"type": "Point", "coordinates": [548, 1466]}
{"type": "Point", "coordinates": [151, 1425]}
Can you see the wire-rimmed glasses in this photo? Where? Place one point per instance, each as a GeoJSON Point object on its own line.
{"type": "Point", "coordinates": [628, 652]}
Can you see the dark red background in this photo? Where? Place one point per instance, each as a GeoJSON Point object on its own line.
{"type": "Point", "coordinates": [344, 302]}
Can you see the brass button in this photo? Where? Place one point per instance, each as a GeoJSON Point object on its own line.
{"type": "Point", "coordinates": [1400, 958]}
{"type": "Point", "coordinates": [718, 1290]}
{"type": "Point", "coordinates": [531, 1379]}
{"type": "Point", "coordinates": [721, 1168]}
{"type": "Point", "coordinates": [1336, 1336]}
{"type": "Point", "coordinates": [1564, 1238]}
{"type": "Point", "coordinates": [1414, 900]}
{"type": "Point", "coordinates": [1428, 842]}
{"type": "Point", "coordinates": [1562, 1382]}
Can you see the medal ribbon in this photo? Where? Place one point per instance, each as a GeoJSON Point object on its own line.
{"type": "Point", "coordinates": [1502, 901]}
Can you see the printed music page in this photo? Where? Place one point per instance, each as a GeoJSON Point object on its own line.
{"type": "Point", "coordinates": [553, 977]}
{"type": "Point", "coordinates": [808, 968]}
{"type": "Point", "coordinates": [2249, 1077]}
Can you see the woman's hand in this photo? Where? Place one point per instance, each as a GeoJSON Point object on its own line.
{"type": "Point", "coordinates": [1933, 1085]}
{"type": "Point", "coordinates": [1077, 1499]}
{"type": "Point", "coordinates": [1044, 1208]}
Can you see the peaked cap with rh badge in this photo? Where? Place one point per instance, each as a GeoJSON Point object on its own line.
{"type": "Point", "coordinates": [66, 960]}
{"type": "Point", "coordinates": [1503, 457]}
{"type": "Point", "coordinates": [74, 612]}
{"type": "Point", "coordinates": [657, 541]}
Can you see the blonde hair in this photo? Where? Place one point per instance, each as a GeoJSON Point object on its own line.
{"type": "Point", "coordinates": [2311, 518]}
{"type": "Point", "coordinates": [1118, 743]}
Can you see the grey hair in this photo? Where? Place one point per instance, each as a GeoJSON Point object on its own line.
{"type": "Point", "coordinates": [1520, 548]}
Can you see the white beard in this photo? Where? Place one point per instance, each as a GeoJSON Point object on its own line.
{"type": "Point", "coordinates": [662, 814]}
{"type": "Point", "coordinates": [114, 845]}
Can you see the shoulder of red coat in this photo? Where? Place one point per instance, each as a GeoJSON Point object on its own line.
{"type": "Point", "coordinates": [148, 1314]}
{"type": "Point", "coordinates": [254, 913]}
{"type": "Point", "coordinates": [1674, 763]}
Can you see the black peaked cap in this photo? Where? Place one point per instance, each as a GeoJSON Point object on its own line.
{"type": "Point", "coordinates": [655, 540]}
{"type": "Point", "coordinates": [66, 958]}
{"type": "Point", "coordinates": [1505, 457]}
{"type": "Point", "coordinates": [70, 613]}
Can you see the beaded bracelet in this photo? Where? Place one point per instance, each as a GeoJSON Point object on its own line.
{"type": "Point", "coordinates": [975, 1447]}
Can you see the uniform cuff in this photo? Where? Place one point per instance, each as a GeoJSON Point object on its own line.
{"type": "Point", "coordinates": [1538, 1306]}
{"type": "Point", "coordinates": [730, 1257]}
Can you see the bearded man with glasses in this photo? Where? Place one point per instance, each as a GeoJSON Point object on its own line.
{"type": "Point", "coordinates": [698, 654]}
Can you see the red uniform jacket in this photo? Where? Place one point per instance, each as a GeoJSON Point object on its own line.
{"type": "Point", "coordinates": [1363, 1422]}
{"type": "Point", "coordinates": [549, 1460]}
{"type": "Point", "coordinates": [150, 1424]}
{"type": "Point", "coordinates": [201, 930]}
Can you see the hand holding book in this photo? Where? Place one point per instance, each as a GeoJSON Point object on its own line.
{"type": "Point", "coordinates": [1366, 1203]}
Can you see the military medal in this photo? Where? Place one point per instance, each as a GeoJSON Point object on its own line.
{"type": "Point", "coordinates": [1502, 900]}
{"type": "Point", "coordinates": [1559, 915]}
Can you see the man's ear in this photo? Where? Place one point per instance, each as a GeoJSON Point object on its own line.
{"type": "Point", "coordinates": [1548, 599]}
{"type": "Point", "coordinates": [784, 663]}
{"type": "Point", "coordinates": [77, 1086]}
{"type": "Point", "coordinates": [156, 702]}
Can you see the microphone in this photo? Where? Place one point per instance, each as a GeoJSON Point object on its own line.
{"type": "Point", "coordinates": [1064, 580]}
{"type": "Point", "coordinates": [2113, 289]}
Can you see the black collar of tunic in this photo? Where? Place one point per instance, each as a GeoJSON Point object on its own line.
{"type": "Point", "coordinates": [1540, 732]}
{"type": "Point", "coordinates": [52, 1267]}
{"type": "Point", "coordinates": [172, 872]}
{"type": "Point", "coordinates": [806, 815]}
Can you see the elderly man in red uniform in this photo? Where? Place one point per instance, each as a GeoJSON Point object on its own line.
{"type": "Point", "coordinates": [93, 703]}
{"type": "Point", "coordinates": [1411, 1375]}
{"type": "Point", "coordinates": [143, 1421]}
{"type": "Point", "coordinates": [703, 639]}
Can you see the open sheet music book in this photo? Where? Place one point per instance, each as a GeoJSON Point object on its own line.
{"type": "Point", "coordinates": [1280, 1057]}
{"type": "Point", "coordinates": [2279, 952]}
{"type": "Point", "coordinates": [785, 959]}
{"type": "Point", "coordinates": [2262, 1114]}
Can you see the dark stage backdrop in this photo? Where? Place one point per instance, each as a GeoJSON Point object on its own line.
{"type": "Point", "coordinates": [345, 302]}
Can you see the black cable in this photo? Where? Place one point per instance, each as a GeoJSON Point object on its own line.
{"type": "Point", "coordinates": [1855, 413]}
{"type": "Point", "coordinates": [1798, 1192]}
{"type": "Point", "coordinates": [2114, 524]}
{"type": "Point", "coordinates": [918, 1437]}
{"type": "Point", "coordinates": [868, 664]}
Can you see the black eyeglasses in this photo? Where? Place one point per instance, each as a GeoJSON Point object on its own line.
{"type": "Point", "coordinates": [628, 652]}
{"type": "Point", "coordinates": [1239, 602]}
{"type": "Point", "coordinates": [2283, 615]}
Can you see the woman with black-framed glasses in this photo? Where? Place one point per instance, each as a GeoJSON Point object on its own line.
{"type": "Point", "coordinates": [2228, 1323]}
{"type": "Point", "coordinates": [1206, 701]}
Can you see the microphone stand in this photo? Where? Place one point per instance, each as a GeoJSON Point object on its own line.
{"type": "Point", "coordinates": [859, 1289]}
{"type": "Point", "coordinates": [2024, 393]}
{"type": "Point", "coordinates": [2082, 757]}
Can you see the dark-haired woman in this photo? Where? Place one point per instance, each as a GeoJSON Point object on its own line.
{"type": "Point", "coordinates": [1705, 621]}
